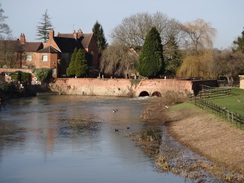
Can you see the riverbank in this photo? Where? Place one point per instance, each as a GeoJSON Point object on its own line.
{"type": "Point", "coordinates": [219, 142]}
{"type": "Point", "coordinates": [208, 136]}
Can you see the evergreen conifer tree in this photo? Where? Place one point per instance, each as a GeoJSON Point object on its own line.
{"type": "Point", "coordinates": [151, 62]}
{"type": "Point", "coordinates": [71, 69]}
{"type": "Point", "coordinates": [172, 56]}
{"type": "Point", "coordinates": [99, 36]}
{"type": "Point", "coordinates": [44, 27]}
{"type": "Point", "coordinates": [239, 43]}
{"type": "Point", "coordinates": [80, 64]}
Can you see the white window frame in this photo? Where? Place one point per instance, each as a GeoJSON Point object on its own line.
{"type": "Point", "coordinates": [44, 57]}
{"type": "Point", "coordinates": [28, 57]}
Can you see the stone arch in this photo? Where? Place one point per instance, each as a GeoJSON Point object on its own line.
{"type": "Point", "coordinates": [144, 94]}
{"type": "Point", "coordinates": [156, 94]}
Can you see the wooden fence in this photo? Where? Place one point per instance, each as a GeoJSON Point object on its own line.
{"type": "Point", "coordinates": [221, 112]}
{"type": "Point", "coordinates": [207, 92]}
{"type": "Point", "coordinates": [210, 92]}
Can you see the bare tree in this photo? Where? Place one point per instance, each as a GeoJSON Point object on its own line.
{"type": "Point", "coordinates": [133, 30]}
{"type": "Point", "coordinates": [4, 28]}
{"type": "Point", "coordinates": [229, 64]}
{"type": "Point", "coordinates": [119, 60]}
{"type": "Point", "coordinates": [199, 35]}
{"type": "Point", "coordinates": [11, 53]}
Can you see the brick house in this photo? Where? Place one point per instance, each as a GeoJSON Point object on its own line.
{"type": "Point", "coordinates": [56, 53]}
{"type": "Point", "coordinates": [65, 44]}
{"type": "Point", "coordinates": [13, 52]}
{"type": "Point", "coordinates": [31, 57]}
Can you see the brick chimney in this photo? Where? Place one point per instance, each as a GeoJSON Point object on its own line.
{"type": "Point", "coordinates": [22, 39]}
{"type": "Point", "coordinates": [75, 35]}
{"type": "Point", "coordinates": [80, 33]}
{"type": "Point", "coordinates": [51, 34]}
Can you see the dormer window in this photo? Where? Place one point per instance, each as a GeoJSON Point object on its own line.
{"type": "Point", "coordinates": [44, 58]}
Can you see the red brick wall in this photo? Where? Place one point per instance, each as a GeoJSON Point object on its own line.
{"type": "Point", "coordinates": [9, 70]}
{"type": "Point", "coordinates": [163, 85]}
{"type": "Point", "coordinates": [37, 62]}
{"type": "Point", "coordinates": [119, 87]}
{"type": "Point", "coordinates": [93, 48]}
{"type": "Point", "coordinates": [52, 43]}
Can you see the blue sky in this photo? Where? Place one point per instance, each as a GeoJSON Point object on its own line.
{"type": "Point", "coordinates": [23, 15]}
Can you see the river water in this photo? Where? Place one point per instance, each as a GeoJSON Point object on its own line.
{"type": "Point", "coordinates": [75, 139]}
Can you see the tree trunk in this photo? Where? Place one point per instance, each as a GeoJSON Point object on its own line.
{"type": "Point", "coordinates": [230, 80]}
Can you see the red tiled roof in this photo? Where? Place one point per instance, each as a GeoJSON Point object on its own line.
{"type": "Point", "coordinates": [86, 40]}
{"type": "Point", "coordinates": [66, 35]}
{"type": "Point", "coordinates": [27, 46]}
{"type": "Point", "coordinates": [48, 49]}
{"type": "Point", "coordinates": [32, 46]}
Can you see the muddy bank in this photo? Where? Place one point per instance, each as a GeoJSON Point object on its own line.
{"type": "Point", "coordinates": [220, 146]}
{"type": "Point", "coordinates": [209, 136]}
{"type": "Point", "coordinates": [170, 156]}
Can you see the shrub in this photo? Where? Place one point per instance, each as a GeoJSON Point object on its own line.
{"type": "Point", "coordinates": [21, 76]}
{"type": "Point", "coordinates": [43, 75]}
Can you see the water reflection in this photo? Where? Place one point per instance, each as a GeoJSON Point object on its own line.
{"type": "Point", "coordinates": [72, 139]}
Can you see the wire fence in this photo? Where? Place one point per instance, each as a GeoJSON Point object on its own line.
{"type": "Point", "coordinates": [202, 101]}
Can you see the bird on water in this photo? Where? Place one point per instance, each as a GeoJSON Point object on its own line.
{"type": "Point", "coordinates": [115, 110]}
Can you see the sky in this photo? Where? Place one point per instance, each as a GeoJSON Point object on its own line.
{"type": "Point", "coordinates": [226, 16]}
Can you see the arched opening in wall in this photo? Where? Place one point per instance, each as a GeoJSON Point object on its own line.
{"type": "Point", "coordinates": [144, 94]}
{"type": "Point", "coordinates": [156, 94]}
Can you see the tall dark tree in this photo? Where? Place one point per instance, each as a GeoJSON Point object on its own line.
{"type": "Point", "coordinates": [239, 43]}
{"type": "Point", "coordinates": [81, 66]}
{"type": "Point", "coordinates": [4, 28]}
{"type": "Point", "coordinates": [172, 56]}
{"type": "Point", "coordinates": [99, 36]}
{"type": "Point", "coordinates": [44, 27]}
{"type": "Point", "coordinates": [71, 69]}
{"type": "Point", "coordinates": [151, 62]}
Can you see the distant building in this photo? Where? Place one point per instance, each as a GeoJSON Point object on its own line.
{"type": "Point", "coordinates": [55, 54]}
{"type": "Point", "coordinates": [65, 43]}
{"type": "Point", "coordinates": [241, 81]}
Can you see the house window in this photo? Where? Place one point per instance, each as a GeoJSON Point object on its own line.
{"type": "Point", "coordinates": [28, 57]}
{"type": "Point", "coordinates": [92, 52]}
{"type": "Point", "coordinates": [44, 58]}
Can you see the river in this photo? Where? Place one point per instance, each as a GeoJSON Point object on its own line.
{"type": "Point", "coordinates": [75, 139]}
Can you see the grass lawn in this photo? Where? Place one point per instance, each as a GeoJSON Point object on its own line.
{"type": "Point", "coordinates": [185, 105]}
{"type": "Point", "coordinates": [231, 101]}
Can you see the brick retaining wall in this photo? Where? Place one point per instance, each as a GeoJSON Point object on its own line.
{"type": "Point", "coordinates": [119, 87]}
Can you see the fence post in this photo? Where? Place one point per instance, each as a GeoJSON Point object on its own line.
{"type": "Point", "coordinates": [232, 117]}
{"type": "Point", "coordinates": [202, 102]}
